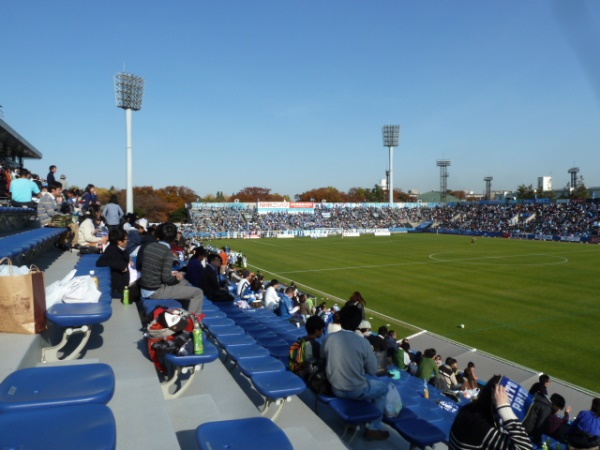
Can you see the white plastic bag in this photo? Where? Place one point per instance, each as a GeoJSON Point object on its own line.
{"type": "Point", "coordinates": [56, 290]}
{"type": "Point", "coordinates": [393, 402]}
{"type": "Point", "coordinates": [81, 290]}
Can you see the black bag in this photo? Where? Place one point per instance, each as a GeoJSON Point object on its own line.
{"type": "Point", "coordinates": [85, 250]}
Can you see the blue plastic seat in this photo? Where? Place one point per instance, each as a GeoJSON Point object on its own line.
{"type": "Point", "coordinates": [54, 386]}
{"type": "Point", "coordinates": [90, 426]}
{"type": "Point", "coordinates": [277, 387]}
{"type": "Point", "coordinates": [260, 364]}
{"type": "Point", "coordinates": [419, 432]}
{"type": "Point", "coordinates": [255, 433]}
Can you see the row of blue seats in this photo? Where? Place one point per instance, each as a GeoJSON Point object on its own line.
{"type": "Point", "coordinates": [23, 247]}
{"type": "Point", "coordinates": [37, 403]}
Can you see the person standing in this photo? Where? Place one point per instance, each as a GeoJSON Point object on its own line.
{"type": "Point", "coordinates": [113, 213]}
{"type": "Point", "coordinates": [50, 178]}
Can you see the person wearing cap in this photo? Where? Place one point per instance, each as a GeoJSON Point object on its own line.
{"type": "Point", "coordinates": [159, 281]}
{"type": "Point", "coordinates": [349, 359]}
{"type": "Point", "coordinates": [113, 213]}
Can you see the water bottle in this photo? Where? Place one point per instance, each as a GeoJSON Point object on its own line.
{"type": "Point", "coordinates": [425, 389]}
{"type": "Point", "coordinates": [198, 343]}
{"type": "Point", "coordinates": [95, 278]}
{"type": "Point", "coordinates": [126, 295]}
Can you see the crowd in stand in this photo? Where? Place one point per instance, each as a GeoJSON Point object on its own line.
{"type": "Point", "coordinates": [580, 219]}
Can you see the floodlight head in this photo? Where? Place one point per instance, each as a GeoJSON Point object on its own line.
{"type": "Point", "coordinates": [391, 135]}
{"type": "Point", "coordinates": [129, 91]}
{"type": "Point", "coordinates": [488, 179]}
{"type": "Point", "coordinates": [443, 163]}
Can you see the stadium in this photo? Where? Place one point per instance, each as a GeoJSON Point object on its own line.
{"type": "Point", "coordinates": [508, 286]}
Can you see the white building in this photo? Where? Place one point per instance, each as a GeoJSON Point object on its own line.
{"type": "Point", "coordinates": [544, 184]}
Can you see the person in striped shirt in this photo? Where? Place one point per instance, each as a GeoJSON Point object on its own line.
{"type": "Point", "coordinates": [489, 423]}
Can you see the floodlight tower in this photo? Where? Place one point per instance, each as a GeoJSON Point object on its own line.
{"type": "Point", "coordinates": [573, 171]}
{"type": "Point", "coordinates": [443, 164]}
{"type": "Point", "coordinates": [129, 92]}
{"type": "Point", "coordinates": [488, 187]}
{"type": "Point", "coordinates": [391, 137]}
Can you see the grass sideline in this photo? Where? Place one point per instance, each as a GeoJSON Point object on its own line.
{"type": "Point", "coordinates": [531, 302]}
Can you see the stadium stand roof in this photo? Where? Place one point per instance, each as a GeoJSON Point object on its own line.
{"type": "Point", "coordinates": [15, 146]}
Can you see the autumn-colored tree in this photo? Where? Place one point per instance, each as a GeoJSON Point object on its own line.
{"type": "Point", "coordinates": [254, 194]}
{"type": "Point", "coordinates": [458, 194]}
{"type": "Point", "coordinates": [328, 194]}
{"type": "Point", "coordinates": [401, 196]}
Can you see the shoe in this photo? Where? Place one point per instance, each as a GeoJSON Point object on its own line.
{"type": "Point", "coordinates": [376, 435]}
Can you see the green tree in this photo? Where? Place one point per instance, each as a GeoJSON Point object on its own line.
{"type": "Point", "coordinates": [525, 192]}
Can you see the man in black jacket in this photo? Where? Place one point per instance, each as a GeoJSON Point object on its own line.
{"type": "Point", "coordinates": [158, 280]}
{"type": "Point", "coordinates": [536, 417]}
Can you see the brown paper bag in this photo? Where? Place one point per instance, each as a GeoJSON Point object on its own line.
{"type": "Point", "coordinates": [22, 302]}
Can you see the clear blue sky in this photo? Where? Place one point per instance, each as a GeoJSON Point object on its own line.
{"type": "Point", "coordinates": [292, 95]}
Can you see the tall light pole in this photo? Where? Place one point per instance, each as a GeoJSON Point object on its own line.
{"type": "Point", "coordinates": [391, 137]}
{"type": "Point", "coordinates": [488, 187]}
{"type": "Point", "coordinates": [129, 92]}
{"type": "Point", "coordinates": [443, 164]}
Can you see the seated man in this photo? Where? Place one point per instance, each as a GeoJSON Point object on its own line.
{"type": "Point", "coordinates": [349, 359]}
{"type": "Point", "coordinates": [311, 349]}
{"type": "Point", "coordinates": [23, 189]}
{"type": "Point", "coordinates": [158, 280]}
{"type": "Point", "coordinates": [558, 427]}
{"type": "Point", "coordinates": [428, 369]}
{"type": "Point", "coordinates": [49, 207]}
{"type": "Point", "coordinates": [243, 289]}
{"type": "Point", "coordinates": [115, 256]}
{"type": "Point", "coordinates": [211, 280]}
{"type": "Point", "coordinates": [448, 373]}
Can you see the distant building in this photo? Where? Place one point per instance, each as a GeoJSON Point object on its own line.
{"type": "Point", "coordinates": [544, 184]}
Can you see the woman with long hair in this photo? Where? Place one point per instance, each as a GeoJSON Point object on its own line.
{"type": "Point", "coordinates": [489, 422]}
{"type": "Point", "coordinates": [357, 300]}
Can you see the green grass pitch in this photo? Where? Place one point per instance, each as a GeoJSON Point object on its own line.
{"type": "Point", "coordinates": [534, 303]}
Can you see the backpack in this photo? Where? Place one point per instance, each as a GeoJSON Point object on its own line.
{"type": "Point", "coordinates": [313, 372]}
{"type": "Point", "coordinates": [170, 331]}
{"type": "Point", "coordinates": [298, 358]}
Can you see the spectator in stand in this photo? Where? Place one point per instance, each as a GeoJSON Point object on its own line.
{"type": "Point", "coordinates": [585, 431]}
{"type": "Point", "coordinates": [286, 307]}
{"type": "Point", "coordinates": [49, 204]}
{"type": "Point", "coordinates": [159, 281]}
{"type": "Point", "coordinates": [196, 265]}
{"type": "Point", "coordinates": [89, 197]}
{"type": "Point", "coordinates": [312, 350]}
{"type": "Point", "coordinates": [428, 369]}
{"type": "Point", "coordinates": [448, 373]}
{"type": "Point", "coordinates": [541, 386]}
{"type": "Point", "coordinates": [23, 189]}
{"type": "Point", "coordinates": [558, 427]}
{"type": "Point", "coordinates": [244, 289]}
{"type": "Point", "coordinates": [113, 213]}
{"type": "Point", "coordinates": [376, 341]}
{"type": "Point", "coordinates": [135, 238]}
{"type": "Point", "coordinates": [357, 300]}
{"type": "Point", "coordinates": [211, 280]}
{"type": "Point", "coordinates": [469, 376]}
{"type": "Point", "coordinates": [391, 346]}
{"type": "Point", "coordinates": [50, 178]}
{"type": "Point", "coordinates": [305, 309]}
{"type": "Point", "coordinates": [272, 299]}
{"type": "Point", "coordinates": [349, 359]}
{"type": "Point", "coordinates": [536, 417]}
{"type": "Point", "coordinates": [334, 322]}
{"type": "Point", "coordinates": [117, 259]}
{"type": "Point", "coordinates": [87, 228]}
{"type": "Point", "coordinates": [224, 260]}
{"type": "Point", "coordinates": [489, 423]}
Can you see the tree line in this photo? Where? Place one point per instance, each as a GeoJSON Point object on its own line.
{"type": "Point", "coordinates": [170, 203]}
